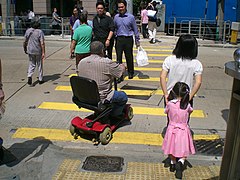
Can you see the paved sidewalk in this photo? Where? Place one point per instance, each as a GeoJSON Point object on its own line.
{"type": "Point", "coordinates": [160, 36]}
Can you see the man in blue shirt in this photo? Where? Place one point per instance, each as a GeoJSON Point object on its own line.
{"type": "Point", "coordinates": [125, 28]}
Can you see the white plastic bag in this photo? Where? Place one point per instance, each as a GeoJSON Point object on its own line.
{"type": "Point", "coordinates": [142, 58]}
{"type": "Point", "coordinates": [151, 13]}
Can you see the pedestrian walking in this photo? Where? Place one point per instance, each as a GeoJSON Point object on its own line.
{"type": "Point", "coordinates": [81, 40]}
{"type": "Point", "coordinates": [103, 28]}
{"type": "Point", "coordinates": [178, 142]}
{"type": "Point", "coordinates": [144, 21]}
{"type": "Point", "coordinates": [126, 27]}
{"type": "Point", "coordinates": [56, 21]}
{"type": "Point", "coordinates": [182, 66]}
{"type": "Point", "coordinates": [152, 26]}
{"type": "Point", "coordinates": [34, 46]}
{"type": "Point", "coordinates": [78, 22]}
{"type": "Point", "coordinates": [72, 20]}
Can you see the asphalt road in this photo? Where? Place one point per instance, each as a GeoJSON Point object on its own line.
{"type": "Point", "coordinates": [39, 159]}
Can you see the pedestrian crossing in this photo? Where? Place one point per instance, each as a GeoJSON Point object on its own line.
{"type": "Point", "coordinates": [156, 56]}
{"type": "Point", "coordinates": [138, 138]}
{"type": "Point", "coordinates": [152, 111]}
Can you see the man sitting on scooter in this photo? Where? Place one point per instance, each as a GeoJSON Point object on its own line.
{"type": "Point", "coordinates": [103, 71]}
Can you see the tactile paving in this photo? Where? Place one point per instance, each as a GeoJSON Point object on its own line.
{"type": "Point", "coordinates": [69, 170]}
{"type": "Point", "coordinates": [70, 165]}
{"type": "Point", "coordinates": [198, 172]}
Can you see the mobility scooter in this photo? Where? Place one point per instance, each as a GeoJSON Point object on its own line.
{"type": "Point", "coordinates": [99, 124]}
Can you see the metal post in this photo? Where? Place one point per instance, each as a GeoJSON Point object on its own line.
{"type": "Point", "coordinates": [7, 22]}
{"type": "Point", "coordinates": [62, 27]}
{"type": "Point", "coordinates": [189, 27]}
{"type": "Point", "coordinates": [205, 17]}
{"type": "Point", "coordinates": [231, 157]}
{"type": "Point", "coordinates": [174, 26]}
{"type": "Point", "coordinates": [224, 32]}
{"type": "Point", "coordinates": [200, 29]}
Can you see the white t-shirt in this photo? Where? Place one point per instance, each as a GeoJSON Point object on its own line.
{"type": "Point", "coordinates": [181, 70]}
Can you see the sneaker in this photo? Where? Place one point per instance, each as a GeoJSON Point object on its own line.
{"type": "Point", "coordinates": [29, 81]}
{"type": "Point", "coordinates": [179, 170]}
{"type": "Point", "coordinates": [172, 167]}
{"type": "Point", "coordinates": [41, 82]}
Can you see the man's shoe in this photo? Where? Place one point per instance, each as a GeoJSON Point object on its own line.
{"type": "Point", "coordinates": [179, 170]}
{"type": "Point", "coordinates": [29, 81]}
{"type": "Point", "coordinates": [151, 41]}
{"type": "Point", "coordinates": [172, 167]}
{"type": "Point", "coordinates": [41, 82]}
{"type": "Point", "coordinates": [130, 76]}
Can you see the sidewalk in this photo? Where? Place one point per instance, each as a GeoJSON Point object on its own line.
{"type": "Point", "coordinates": [160, 36]}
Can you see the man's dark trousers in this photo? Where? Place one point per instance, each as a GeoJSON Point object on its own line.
{"type": "Point", "coordinates": [125, 44]}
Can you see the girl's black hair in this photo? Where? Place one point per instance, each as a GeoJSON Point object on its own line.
{"type": "Point", "coordinates": [186, 47]}
{"type": "Point", "coordinates": [181, 90]}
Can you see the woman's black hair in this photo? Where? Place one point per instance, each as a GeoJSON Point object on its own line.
{"type": "Point", "coordinates": [83, 16]}
{"type": "Point", "coordinates": [181, 90]}
{"type": "Point", "coordinates": [186, 47]}
{"type": "Point", "coordinates": [36, 24]}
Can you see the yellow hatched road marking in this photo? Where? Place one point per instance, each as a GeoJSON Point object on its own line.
{"type": "Point", "coordinates": [118, 137]}
{"type": "Point", "coordinates": [136, 110]}
{"type": "Point", "coordinates": [150, 61]}
{"type": "Point", "coordinates": [135, 78]}
{"type": "Point", "coordinates": [128, 92]}
{"type": "Point", "coordinates": [151, 55]}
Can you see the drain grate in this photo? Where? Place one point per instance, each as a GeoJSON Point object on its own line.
{"type": "Point", "coordinates": [103, 163]}
{"type": "Point", "coordinates": [210, 147]}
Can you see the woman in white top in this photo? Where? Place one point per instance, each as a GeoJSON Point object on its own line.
{"type": "Point", "coordinates": [182, 66]}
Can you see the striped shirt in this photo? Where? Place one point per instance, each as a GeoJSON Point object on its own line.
{"type": "Point", "coordinates": [102, 70]}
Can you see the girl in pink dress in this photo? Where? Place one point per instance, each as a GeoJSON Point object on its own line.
{"type": "Point", "coordinates": [178, 142]}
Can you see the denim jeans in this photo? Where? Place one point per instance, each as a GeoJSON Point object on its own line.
{"type": "Point", "coordinates": [119, 100]}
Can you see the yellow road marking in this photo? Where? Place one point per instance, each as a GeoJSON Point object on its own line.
{"type": "Point", "coordinates": [118, 137]}
{"type": "Point", "coordinates": [136, 110]}
{"type": "Point", "coordinates": [157, 50]}
{"type": "Point", "coordinates": [135, 78]}
{"type": "Point", "coordinates": [128, 92]}
{"type": "Point", "coordinates": [147, 69]}
{"type": "Point", "coordinates": [150, 61]}
{"type": "Point", "coordinates": [155, 47]}
{"type": "Point", "coordinates": [152, 55]}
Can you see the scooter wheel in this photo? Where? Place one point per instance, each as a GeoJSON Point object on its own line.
{"type": "Point", "coordinates": [105, 136]}
{"type": "Point", "coordinates": [129, 113]}
{"type": "Point", "coordinates": [72, 129]}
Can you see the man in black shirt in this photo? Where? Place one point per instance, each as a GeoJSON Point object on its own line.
{"type": "Point", "coordinates": [103, 28]}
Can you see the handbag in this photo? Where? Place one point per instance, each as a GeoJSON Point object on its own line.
{"type": "Point", "coordinates": [142, 58]}
{"type": "Point", "coordinates": [151, 13]}
{"type": "Point", "coordinates": [158, 22]}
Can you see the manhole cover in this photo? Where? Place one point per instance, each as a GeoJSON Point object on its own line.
{"type": "Point", "coordinates": [213, 147]}
{"type": "Point", "coordinates": [103, 163]}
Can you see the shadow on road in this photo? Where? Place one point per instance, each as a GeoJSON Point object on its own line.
{"type": "Point", "coordinates": [26, 151]}
{"type": "Point", "coordinates": [225, 113]}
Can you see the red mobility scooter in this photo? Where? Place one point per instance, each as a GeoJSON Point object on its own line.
{"type": "Point", "coordinates": [99, 124]}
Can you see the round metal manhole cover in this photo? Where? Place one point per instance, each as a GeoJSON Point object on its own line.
{"type": "Point", "coordinates": [103, 164]}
